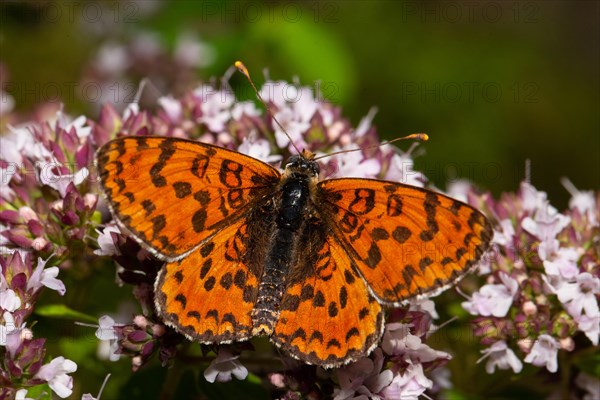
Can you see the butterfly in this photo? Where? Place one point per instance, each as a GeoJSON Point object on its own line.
{"type": "Point", "coordinates": [251, 251]}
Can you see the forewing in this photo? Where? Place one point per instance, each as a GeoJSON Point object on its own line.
{"type": "Point", "coordinates": [329, 318]}
{"type": "Point", "coordinates": [172, 194]}
{"type": "Point", "coordinates": [209, 295]}
{"type": "Point", "coordinates": [406, 241]}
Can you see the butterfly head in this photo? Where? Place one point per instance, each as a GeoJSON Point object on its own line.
{"type": "Point", "coordinates": [302, 164]}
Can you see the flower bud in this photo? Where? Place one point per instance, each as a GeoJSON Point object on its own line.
{"type": "Point", "coordinates": [529, 308]}
{"type": "Point", "coordinates": [567, 343]}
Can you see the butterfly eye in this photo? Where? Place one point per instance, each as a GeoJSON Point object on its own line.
{"type": "Point", "coordinates": [300, 164]}
{"type": "Point", "coordinates": [293, 161]}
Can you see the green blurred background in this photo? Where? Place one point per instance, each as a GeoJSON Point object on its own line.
{"type": "Point", "coordinates": [493, 82]}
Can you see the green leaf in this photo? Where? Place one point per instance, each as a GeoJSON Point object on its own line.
{"type": "Point", "coordinates": [330, 69]}
{"type": "Point", "coordinates": [61, 311]}
{"type": "Point", "coordinates": [40, 392]}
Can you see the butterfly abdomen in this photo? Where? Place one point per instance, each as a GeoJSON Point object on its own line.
{"type": "Point", "coordinates": [285, 242]}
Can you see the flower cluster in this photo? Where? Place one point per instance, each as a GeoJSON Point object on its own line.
{"type": "Point", "coordinates": [45, 218]}
{"type": "Point", "coordinates": [42, 165]}
{"type": "Point", "coordinates": [542, 279]}
{"type": "Point", "coordinates": [397, 368]}
{"type": "Point", "coordinates": [22, 363]}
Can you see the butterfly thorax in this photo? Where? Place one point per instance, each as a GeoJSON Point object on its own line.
{"type": "Point", "coordinates": [291, 209]}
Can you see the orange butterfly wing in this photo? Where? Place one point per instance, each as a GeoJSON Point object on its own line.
{"type": "Point", "coordinates": [330, 318]}
{"type": "Point", "coordinates": [406, 241]}
{"type": "Point", "coordinates": [206, 211]}
{"type": "Point", "coordinates": [209, 295]}
{"type": "Point", "coordinates": [172, 194]}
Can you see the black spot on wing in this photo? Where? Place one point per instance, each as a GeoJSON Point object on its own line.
{"type": "Point", "coordinates": [401, 234]}
{"type": "Point", "coordinates": [182, 189]}
{"type": "Point", "coordinates": [207, 249]}
{"type": "Point", "coordinates": [226, 281]}
{"type": "Point", "coordinates": [352, 332]}
{"type": "Point", "coordinates": [181, 299]}
{"type": "Point", "coordinates": [319, 299]}
{"type": "Point", "coordinates": [408, 272]}
{"type": "Point", "coordinates": [178, 276]}
{"type": "Point", "coordinates": [148, 206]}
{"type": "Point", "coordinates": [205, 268]}
{"type": "Point", "coordinates": [424, 263]}
{"type": "Point", "coordinates": [209, 284]}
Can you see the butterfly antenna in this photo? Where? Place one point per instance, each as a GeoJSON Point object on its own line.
{"type": "Point", "coordinates": [242, 68]}
{"type": "Point", "coordinates": [415, 136]}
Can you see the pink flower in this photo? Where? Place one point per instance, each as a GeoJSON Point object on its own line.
{"type": "Point", "coordinates": [106, 242]}
{"type": "Point", "coordinates": [355, 164]}
{"type": "Point", "coordinates": [15, 338]}
{"type": "Point", "coordinates": [544, 353]}
{"type": "Point", "coordinates": [172, 108]}
{"type": "Point", "coordinates": [55, 374]}
{"type": "Point", "coordinates": [215, 106]}
{"type": "Point", "coordinates": [401, 169]}
{"type": "Point", "coordinates": [545, 226]}
{"type": "Point", "coordinates": [501, 356]}
{"type": "Point", "coordinates": [493, 300]}
{"type": "Point", "coordinates": [363, 379]}
{"type": "Point", "coordinates": [563, 263]}
{"type": "Point", "coordinates": [276, 92]}
{"type": "Point", "coordinates": [409, 385]}
{"type": "Point", "coordinates": [244, 108]}
{"type": "Point", "coordinates": [45, 277]}
{"type": "Point", "coordinates": [424, 305]}
{"type": "Point", "coordinates": [459, 189]}
{"type": "Point", "coordinates": [78, 125]}
{"type": "Point", "coordinates": [365, 124]}
{"type": "Point", "coordinates": [580, 296]}
{"type": "Point", "coordinates": [6, 327]}
{"type": "Point", "coordinates": [532, 200]}
{"type": "Point", "coordinates": [582, 201]}
{"type": "Point", "coordinates": [224, 366]}
{"type": "Point", "coordinates": [61, 181]}
{"type": "Point", "coordinates": [258, 148]}
{"type": "Point", "coordinates": [132, 109]}
{"type": "Point", "coordinates": [20, 142]}
{"type": "Point", "coordinates": [295, 108]}
{"type": "Point", "coordinates": [505, 235]}
{"type": "Point", "coordinates": [590, 326]}
{"type": "Point", "coordinates": [6, 175]}
{"type": "Point", "coordinates": [397, 340]}
{"type": "Point", "coordinates": [9, 301]}
{"type": "Point", "coordinates": [106, 332]}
